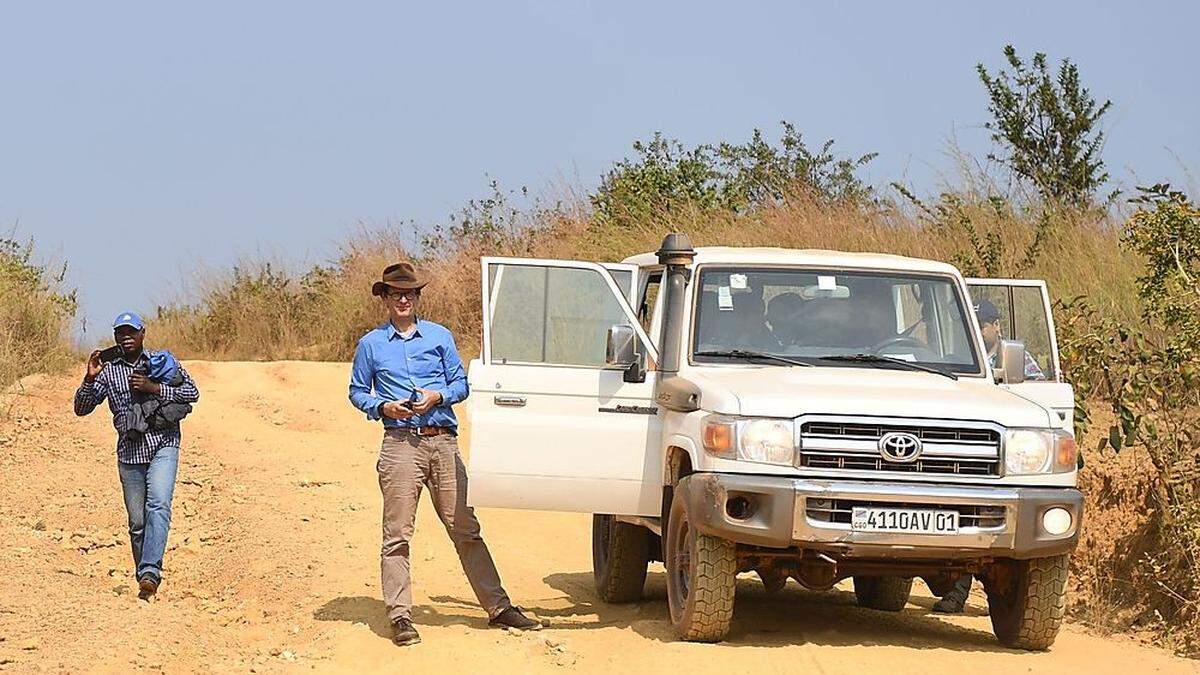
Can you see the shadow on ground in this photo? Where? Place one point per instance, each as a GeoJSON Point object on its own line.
{"type": "Point", "coordinates": [793, 616]}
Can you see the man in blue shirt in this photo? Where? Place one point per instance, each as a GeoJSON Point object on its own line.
{"type": "Point", "coordinates": [989, 324]}
{"type": "Point", "coordinates": [955, 599]}
{"type": "Point", "coordinates": [407, 373]}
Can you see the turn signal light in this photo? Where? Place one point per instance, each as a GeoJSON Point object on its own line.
{"type": "Point", "coordinates": [719, 438]}
{"type": "Point", "coordinates": [1066, 454]}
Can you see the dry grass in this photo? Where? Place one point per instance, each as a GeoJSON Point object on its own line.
{"type": "Point", "coordinates": [35, 315]}
{"type": "Point", "coordinates": [259, 313]}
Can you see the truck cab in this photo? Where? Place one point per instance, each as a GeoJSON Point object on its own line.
{"type": "Point", "coordinates": [814, 415]}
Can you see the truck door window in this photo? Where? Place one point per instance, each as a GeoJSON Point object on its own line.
{"type": "Point", "coordinates": [1022, 317]}
{"type": "Point", "coordinates": [551, 315]}
{"type": "Point", "coordinates": [1031, 327]}
{"type": "Point", "coordinates": [649, 302]}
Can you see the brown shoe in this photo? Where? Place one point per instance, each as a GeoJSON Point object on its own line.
{"type": "Point", "coordinates": [513, 618]}
{"type": "Point", "coordinates": [147, 587]}
{"type": "Point", "coordinates": [403, 633]}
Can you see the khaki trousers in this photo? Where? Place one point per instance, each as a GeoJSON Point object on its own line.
{"type": "Point", "coordinates": [407, 462]}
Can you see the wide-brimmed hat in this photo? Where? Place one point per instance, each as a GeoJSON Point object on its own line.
{"type": "Point", "coordinates": [401, 276]}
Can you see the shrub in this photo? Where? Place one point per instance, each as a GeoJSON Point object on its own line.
{"type": "Point", "coordinates": [1048, 126]}
{"type": "Point", "coordinates": [36, 311]}
{"type": "Point", "coordinates": [1147, 374]}
{"type": "Point", "coordinates": [665, 178]}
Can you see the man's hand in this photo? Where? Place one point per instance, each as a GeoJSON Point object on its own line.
{"type": "Point", "coordinates": [429, 400]}
{"type": "Point", "coordinates": [140, 382]}
{"type": "Point", "coordinates": [94, 366]}
{"type": "Point", "coordinates": [394, 410]}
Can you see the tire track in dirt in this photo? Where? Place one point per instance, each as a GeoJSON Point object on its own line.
{"type": "Point", "coordinates": [274, 564]}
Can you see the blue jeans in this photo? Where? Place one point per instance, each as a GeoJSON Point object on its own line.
{"type": "Point", "coordinates": [148, 490]}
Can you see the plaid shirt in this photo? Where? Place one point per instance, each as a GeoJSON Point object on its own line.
{"type": "Point", "coordinates": [113, 383]}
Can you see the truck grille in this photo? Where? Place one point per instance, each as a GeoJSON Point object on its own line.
{"type": "Point", "coordinates": [854, 446]}
{"type": "Point", "coordinates": [982, 516]}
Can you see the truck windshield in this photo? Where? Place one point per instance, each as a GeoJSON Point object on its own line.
{"type": "Point", "coordinates": [809, 315]}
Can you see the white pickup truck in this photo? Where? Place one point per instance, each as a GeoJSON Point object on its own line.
{"type": "Point", "coordinates": [802, 414]}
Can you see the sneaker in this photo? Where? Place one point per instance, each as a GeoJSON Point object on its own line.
{"type": "Point", "coordinates": [950, 604]}
{"type": "Point", "coordinates": [404, 634]}
{"type": "Point", "coordinates": [955, 600]}
{"type": "Point", "coordinates": [513, 618]}
{"type": "Point", "coordinates": [147, 587]}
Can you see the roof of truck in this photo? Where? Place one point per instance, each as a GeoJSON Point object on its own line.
{"type": "Point", "coordinates": [802, 257]}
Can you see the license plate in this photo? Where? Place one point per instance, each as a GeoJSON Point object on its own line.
{"type": "Point", "coordinates": [919, 521]}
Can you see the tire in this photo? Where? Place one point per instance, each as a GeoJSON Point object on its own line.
{"type": "Point", "coordinates": [701, 579]}
{"type": "Point", "coordinates": [620, 555]}
{"type": "Point", "coordinates": [1027, 600]}
{"type": "Point", "coordinates": [887, 594]}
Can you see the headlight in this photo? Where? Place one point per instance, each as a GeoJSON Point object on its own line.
{"type": "Point", "coordinates": [1034, 451]}
{"type": "Point", "coordinates": [769, 441]}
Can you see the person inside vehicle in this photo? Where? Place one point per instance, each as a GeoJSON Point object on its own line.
{"type": "Point", "coordinates": [988, 315]}
{"type": "Point", "coordinates": [784, 313]}
{"type": "Point", "coordinates": [989, 325]}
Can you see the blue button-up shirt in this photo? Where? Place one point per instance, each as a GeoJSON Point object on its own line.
{"type": "Point", "coordinates": [390, 367]}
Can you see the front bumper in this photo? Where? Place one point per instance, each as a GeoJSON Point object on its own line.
{"type": "Point", "coordinates": [780, 516]}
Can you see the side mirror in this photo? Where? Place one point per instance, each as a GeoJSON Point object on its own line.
{"type": "Point", "coordinates": [1010, 362]}
{"type": "Point", "coordinates": [621, 349]}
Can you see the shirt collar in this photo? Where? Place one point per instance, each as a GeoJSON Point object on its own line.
{"type": "Point", "coordinates": [145, 355]}
{"type": "Point", "coordinates": [394, 334]}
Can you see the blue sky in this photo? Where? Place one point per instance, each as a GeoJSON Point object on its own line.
{"type": "Point", "coordinates": [139, 141]}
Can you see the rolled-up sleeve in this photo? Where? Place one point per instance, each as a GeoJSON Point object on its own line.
{"type": "Point", "coordinates": [457, 389]}
{"type": "Point", "coordinates": [362, 375]}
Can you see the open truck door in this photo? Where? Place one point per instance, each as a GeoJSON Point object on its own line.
{"type": "Point", "coordinates": [555, 423]}
{"type": "Point", "coordinates": [1024, 306]}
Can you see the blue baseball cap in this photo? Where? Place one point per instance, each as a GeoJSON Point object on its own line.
{"type": "Point", "coordinates": [986, 312]}
{"type": "Point", "coordinates": [128, 319]}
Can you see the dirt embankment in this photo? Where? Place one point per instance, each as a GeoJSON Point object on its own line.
{"type": "Point", "coordinates": [273, 565]}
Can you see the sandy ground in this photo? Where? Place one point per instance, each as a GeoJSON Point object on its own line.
{"type": "Point", "coordinates": [273, 565]}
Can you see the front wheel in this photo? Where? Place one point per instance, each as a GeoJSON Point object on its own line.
{"type": "Point", "coordinates": [888, 594]}
{"type": "Point", "coordinates": [620, 555]}
{"type": "Point", "coordinates": [701, 578]}
{"type": "Point", "coordinates": [1027, 600]}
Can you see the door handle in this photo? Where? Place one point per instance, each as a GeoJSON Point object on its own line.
{"type": "Point", "coordinates": [510, 401]}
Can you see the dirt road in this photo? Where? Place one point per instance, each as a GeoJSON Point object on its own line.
{"type": "Point", "coordinates": [273, 565]}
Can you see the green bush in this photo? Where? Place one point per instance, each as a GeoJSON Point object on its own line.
{"type": "Point", "coordinates": [1147, 373]}
{"type": "Point", "coordinates": [665, 177]}
{"type": "Point", "coordinates": [1048, 126]}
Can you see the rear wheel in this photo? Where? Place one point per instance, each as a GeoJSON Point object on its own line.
{"type": "Point", "coordinates": [1027, 600]}
{"type": "Point", "coordinates": [620, 554]}
{"type": "Point", "coordinates": [701, 578]}
{"type": "Point", "coordinates": [889, 594]}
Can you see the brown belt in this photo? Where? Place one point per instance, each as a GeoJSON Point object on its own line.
{"type": "Point", "coordinates": [421, 431]}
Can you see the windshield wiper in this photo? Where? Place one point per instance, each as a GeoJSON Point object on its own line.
{"type": "Point", "coordinates": [876, 358]}
{"type": "Point", "coordinates": [748, 354]}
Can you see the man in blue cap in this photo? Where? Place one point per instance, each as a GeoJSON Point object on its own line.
{"type": "Point", "coordinates": [955, 599]}
{"type": "Point", "coordinates": [989, 325]}
{"type": "Point", "coordinates": [147, 457]}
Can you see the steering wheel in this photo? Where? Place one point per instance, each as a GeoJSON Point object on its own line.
{"type": "Point", "coordinates": [899, 340]}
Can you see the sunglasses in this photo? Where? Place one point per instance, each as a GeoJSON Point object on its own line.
{"type": "Point", "coordinates": [398, 295]}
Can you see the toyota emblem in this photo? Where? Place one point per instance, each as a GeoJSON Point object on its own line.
{"type": "Point", "coordinates": [900, 447]}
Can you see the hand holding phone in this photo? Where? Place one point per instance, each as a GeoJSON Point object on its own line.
{"type": "Point", "coordinates": [98, 359]}
{"type": "Point", "coordinates": [396, 410]}
{"type": "Point", "coordinates": [110, 354]}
